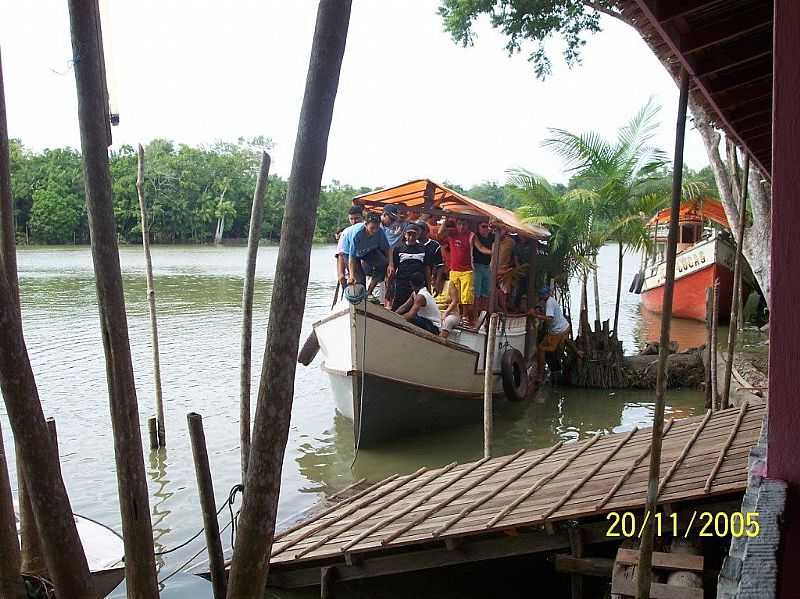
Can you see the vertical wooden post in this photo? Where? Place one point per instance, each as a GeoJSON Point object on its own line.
{"type": "Point", "coordinates": [151, 296]}
{"type": "Point", "coordinates": [646, 548]}
{"type": "Point", "coordinates": [44, 499]}
{"type": "Point", "coordinates": [530, 321]}
{"type": "Point", "coordinates": [254, 235]}
{"type": "Point", "coordinates": [11, 584]}
{"type": "Point", "coordinates": [205, 489]}
{"type": "Point", "coordinates": [152, 427]}
{"type": "Point", "coordinates": [737, 291]}
{"type": "Point", "coordinates": [493, 268]}
{"type": "Point", "coordinates": [250, 564]}
{"type": "Point", "coordinates": [488, 386]}
{"type": "Point", "coordinates": [53, 431]}
{"type": "Point", "coordinates": [87, 50]}
{"type": "Point", "coordinates": [715, 347]}
{"type": "Point", "coordinates": [576, 547]}
{"type": "Point", "coordinates": [709, 343]}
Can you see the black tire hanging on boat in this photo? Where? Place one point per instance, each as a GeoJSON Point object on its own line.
{"type": "Point", "coordinates": [515, 375]}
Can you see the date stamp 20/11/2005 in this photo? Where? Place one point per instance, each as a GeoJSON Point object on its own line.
{"type": "Point", "coordinates": [707, 524]}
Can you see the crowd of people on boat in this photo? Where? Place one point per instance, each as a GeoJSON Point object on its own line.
{"type": "Point", "coordinates": [437, 275]}
{"type": "Point", "coordinates": [400, 254]}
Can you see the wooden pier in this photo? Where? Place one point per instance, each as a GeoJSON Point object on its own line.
{"type": "Point", "coordinates": [528, 502]}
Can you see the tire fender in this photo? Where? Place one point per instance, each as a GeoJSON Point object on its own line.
{"type": "Point", "coordinates": [514, 375]}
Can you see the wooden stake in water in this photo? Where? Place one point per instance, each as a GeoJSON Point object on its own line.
{"type": "Point", "coordinates": [256, 218]}
{"type": "Point", "coordinates": [714, 347]}
{"type": "Point", "coordinates": [93, 120]}
{"type": "Point", "coordinates": [488, 386]}
{"type": "Point", "coordinates": [205, 488]}
{"type": "Point", "coordinates": [248, 574]}
{"type": "Point", "coordinates": [151, 296]}
{"type": "Point", "coordinates": [647, 537]}
{"type": "Point", "coordinates": [11, 584]}
{"type": "Point", "coordinates": [737, 291]}
{"type": "Point", "coordinates": [709, 344]}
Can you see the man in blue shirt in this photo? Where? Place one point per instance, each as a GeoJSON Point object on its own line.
{"type": "Point", "coordinates": [393, 224]}
{"type": "Point", "coordinates": [367, 251]}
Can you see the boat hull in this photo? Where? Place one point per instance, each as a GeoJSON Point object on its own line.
{"type": "Point", "coordinates": [413, 382]}
{"type": "Point", "coordinates": [696, 269]}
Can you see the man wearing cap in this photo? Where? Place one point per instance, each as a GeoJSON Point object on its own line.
{"type": "Point", "coordinates": [408, 259]}
{"type": "Point", "coordinates": [354, 216]}
{"type": "Point", "coordinates": [367, 251]}
{"type": "Point", "coordinates": [557, 329]}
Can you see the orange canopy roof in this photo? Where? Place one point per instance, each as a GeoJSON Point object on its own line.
{"type": "Point", "coordinates": [413, 194]}
{"type": "Point", "coordinates": [695, 211]}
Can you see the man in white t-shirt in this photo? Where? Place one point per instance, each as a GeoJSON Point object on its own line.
{"type": "Point", "coordinates": [557, 331]}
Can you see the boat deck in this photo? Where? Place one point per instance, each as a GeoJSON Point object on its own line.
{"type": "Point", "coordinates": [500, 506]}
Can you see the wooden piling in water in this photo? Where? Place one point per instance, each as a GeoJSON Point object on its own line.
{"type": "Point", "coordinates": [488, 386]}
{"type": "Point", "coordinates": [253, 237]}
{"type": "Point", "coordinates": [95, 131]}
{"type": "Point", "coordinates": [152, 428]}
{"type": "Point", "coordinates": [208, 505]}
{"type": "Point", "coordinates": [709, 342]}
{"type": "Point", "coordinates": [151, 298]}
{"type": "Point", "coordinates": [43, 498]}
{"type": "Point", "coordinates": [11, 584]}
{"type": "Point", "coordinates": [714, 347]}
{"type": "Point", "coordinates": [250, 565]}
{"type": "Point", "coordinates": [647, 537]}
{"type": "Point", "coordinates": [733, 325]}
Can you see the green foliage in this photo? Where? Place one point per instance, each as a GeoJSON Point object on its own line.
{"type": "Point", "coordinates": [187, 189]}
{"type": "Point", "coordinates": [534, 21]}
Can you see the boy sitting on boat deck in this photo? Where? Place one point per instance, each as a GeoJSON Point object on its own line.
{"type": "Point", "coordinates": [420, 308]}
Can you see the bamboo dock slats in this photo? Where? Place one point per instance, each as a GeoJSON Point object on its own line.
{"type": "Point", "coordinates": [702, 456]}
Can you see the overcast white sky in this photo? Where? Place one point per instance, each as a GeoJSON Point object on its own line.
{"type": "Point", "coordinates": [411, 103]}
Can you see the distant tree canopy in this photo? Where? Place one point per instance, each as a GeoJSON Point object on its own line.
{"type": "Point", "coordinates": [188, 190]}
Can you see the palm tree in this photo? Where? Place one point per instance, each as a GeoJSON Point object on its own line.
{"type": "Point", "coordinates": [619, 173]}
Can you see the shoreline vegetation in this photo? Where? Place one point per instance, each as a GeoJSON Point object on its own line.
{"type": "Point", "coordinates": [190, 191]}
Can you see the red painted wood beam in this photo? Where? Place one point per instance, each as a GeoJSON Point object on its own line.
{"type": "Point", "coordinates": [783, 457]}
{"type": "Point", "coordinates": [649, 9]}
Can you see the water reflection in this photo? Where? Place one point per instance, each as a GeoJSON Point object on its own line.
{"type": "Point", "coordinates": [161, 494]}
{"type": "Point", "coordinates": [687, 333]}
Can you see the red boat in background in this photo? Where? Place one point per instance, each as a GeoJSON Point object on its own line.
{"type": "Point", "coordinates": [706, 253]}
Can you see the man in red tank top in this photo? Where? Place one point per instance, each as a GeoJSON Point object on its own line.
{"type": "Point", "coordinates": [460, 243]}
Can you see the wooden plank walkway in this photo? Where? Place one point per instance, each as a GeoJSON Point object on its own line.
{"type": "Point", "coordinates": [704, 456]}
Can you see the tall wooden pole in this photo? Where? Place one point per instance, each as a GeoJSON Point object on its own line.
{"type": "Point", "coordinates": [737, 291]}
{"type": "Point", "coordinates": [151, 297]}
{"type": "Point", "coordinates": [715, 346]}
{"type": "Point", "coordinates": [256, 218]}
{"type": "Point", "coordinates": [11, 585]}
{"type": "Point", "coordinates": [709, 402]}
{"type": "Point", "coordinates": [248, 572]}
{"type": "Point", "coordinates": [140, 573]}
{"type": "Point", "coordinates": [19, 392]}
{"type": "Point", "coordinates": [646, 549]}
{"type": "Point", "coordinates": [488, 386]}
{"type": "Point", "coordinates": [205, 489]}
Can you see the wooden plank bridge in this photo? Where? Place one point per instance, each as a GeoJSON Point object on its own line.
{"type": "Point", "coordinates": [517, 504]}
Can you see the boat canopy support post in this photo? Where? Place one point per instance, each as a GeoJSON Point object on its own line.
{"type": "Point", "coordinates": [253, 237]}
{"type": "Point", "coordinates": [208, 506]}
{"type": "Point", "coordinates": [488, 386]}
{"type": "Point", "coordinates": [250, 565]}
{"type": "Point", "coordinates": [646, 549]}
{"type": "Point", "coordinates": [737, 286]}
{"type": "Point", "coordinates": [11, 584]}
{"type": "Point", "coordinates": [95, 132]}
{"type": "Point", "coordinates": [530, 321]}
{"type": "Point", "coordinates": [151, 299]}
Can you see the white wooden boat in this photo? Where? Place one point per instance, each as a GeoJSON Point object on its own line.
{"type": "Point", "coordinates": [104, 551]}
{"type": "Point", "coordinates": [393, 378]}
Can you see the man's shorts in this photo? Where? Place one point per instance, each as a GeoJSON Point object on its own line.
{"type": "Point", "coordinates": [483, 280]}
{"type": "Point", "coordinates": [552, 341]}
{"type": "Point", "coordinates": [463, 282]}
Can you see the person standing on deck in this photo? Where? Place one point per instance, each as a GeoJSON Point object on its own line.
{"type": "Point", "coordinates": [433, 258]}
{"type": "Point", "coordinates": [407, 259]}
{"type": "Point", "coordinates": [461, 241]}
{"type": "Point", "coordinates": [420, 308]}
{"type": "Point", "coordinates": [367, 252]}
{"type": "Point", "coordinates": [481, 261]}
{"type": "Point", "coordinates": [393, 224]}
{"type": "Point", "coordinates": [354, 216]}
{"type": "Point", "coordinates": [505, 268]}
{"type": "Point", "coordinates": [557, 331]}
